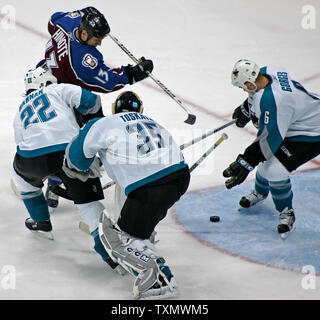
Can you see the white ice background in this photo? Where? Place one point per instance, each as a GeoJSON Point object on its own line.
{"type": "Point", "coordinates": [194, 45]}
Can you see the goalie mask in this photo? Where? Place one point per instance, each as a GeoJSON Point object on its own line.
{"type": "Point", "coordinates": [127, 101]}
{"type": "Point", "coordinates": [245, 71]}
{"type": "Point", "coordinates": [38, 78]}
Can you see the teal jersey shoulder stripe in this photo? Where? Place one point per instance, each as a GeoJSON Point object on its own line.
{"type": "Point", "coordinates": [41, 151]}
{"type": "Point", "coordinates": [263, 70]}
{"type": "Point", "coordinates": [76, 154]}
{"type": "Point", "coordinates": [155, 176]}
{"type": "Point", "coordinates": [268, 119]}
{"type": "Point", "coordinates": [87, 101]}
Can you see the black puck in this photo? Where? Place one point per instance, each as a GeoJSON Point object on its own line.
{"type": "Point", "coordinates": [214, 218]}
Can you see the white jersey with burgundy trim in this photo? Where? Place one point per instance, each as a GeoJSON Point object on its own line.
{"type": "Point", "coordinates": [285, 109]}
{"type": "Point", "coordinates": [45, 121]}
{"type": "Point", "coordinates": [133, 148]}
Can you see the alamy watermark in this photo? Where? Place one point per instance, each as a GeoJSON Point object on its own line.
{"type": "Point", "coordinates": [309, 17]}
{"type": "Point", "coordinates": [7, 17]}
{"type": "Point", "coordinates": [309, 281]}
{"type": "Point", "coordinates": [8, 277]}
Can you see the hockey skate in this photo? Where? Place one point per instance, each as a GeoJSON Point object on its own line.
{"type": "Point", "coordinates": [164, 287]}
{"type": "Point", "coordinates": [43, 229]}
{"type": "Point", "coordinates": [251, 199]}
{"type": "Point", "coordinates": [154, 279]}
{"type": "Point", "coordinates": [52, 198]}
{"type": "Point", "coordinates": [286, 221]}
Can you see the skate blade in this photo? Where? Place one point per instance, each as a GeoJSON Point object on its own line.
{"type": "Point", "coordinates": [43, 234]}
{"type": "Point", "coordinates": [285, 235]}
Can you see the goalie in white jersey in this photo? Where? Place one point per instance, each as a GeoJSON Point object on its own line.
{"type": "Point", "coordinates": [141, 156]}
{"type": "Point", "coordinates": [44, 125]}
{"type": "Point", "coordinates": [288, 119]}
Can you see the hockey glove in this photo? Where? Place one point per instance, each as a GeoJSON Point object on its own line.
{"type": "Point", "coordinates": [237, 172]}
{"type": "Point", "coordinates": [139, 71]}
{"type": "Point", "coordinates": [91, 173]}
{"type": "Point", "coordinates": [242, 114]}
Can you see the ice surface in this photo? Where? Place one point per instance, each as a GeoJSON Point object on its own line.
{"type": "Point", "coordinates": [194, 45]}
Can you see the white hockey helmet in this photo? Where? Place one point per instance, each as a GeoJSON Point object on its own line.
{"type": "Point", "coordinates": [244, 71]}
{"type": "Point", "coordinates": [38, 78]}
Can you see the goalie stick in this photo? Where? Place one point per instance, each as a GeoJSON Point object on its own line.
{"type": "Point", "coordinates": [191, 117]}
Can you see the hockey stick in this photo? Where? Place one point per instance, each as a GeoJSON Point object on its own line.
{"type": "Point", "coordinates": [191, 117]}
{"type": "Point", "coordinates": [208, 152]}
{"type": "Point", "coordinates": [188, 144]}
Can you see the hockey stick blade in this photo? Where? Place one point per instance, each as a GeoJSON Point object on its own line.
{"type": "Point", "coordinates": [191, 119]}
{"type": "Point", "coordinates": [84, 227]}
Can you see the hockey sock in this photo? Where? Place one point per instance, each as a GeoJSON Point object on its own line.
{"type": "Point", "coordinates": [37, 207]}
{"type": "Point", "coordinates": [261, 184]}
{"type": "Point", "coordinates": [281, 194]}
{"type": "Point", "coordinates": [98, 246]}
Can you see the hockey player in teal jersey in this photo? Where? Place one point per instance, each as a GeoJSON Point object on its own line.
{"type": "Point", "coordinates": [288, 120]}
{"type": "Point", "coordinates": [44, 125]}
{"type": "Point", "coordinates": [140, 156]}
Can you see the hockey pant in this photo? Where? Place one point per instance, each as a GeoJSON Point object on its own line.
{"type": "Point", "coordinates": [273, 175]}
{"type": "Point", "coordinates": [146, 206]}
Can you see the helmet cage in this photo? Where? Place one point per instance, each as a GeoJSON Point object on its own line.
{"type": "Point", "coordinates": [127, 101]}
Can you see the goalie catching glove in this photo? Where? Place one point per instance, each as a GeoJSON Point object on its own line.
{"type": "Point", "coordinates": [237, 172]}
{"type": "Point", "coordinates": [72, 172]}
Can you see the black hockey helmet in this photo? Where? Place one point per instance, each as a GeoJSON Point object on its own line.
{"type": "Point", "coordinates": [95, 24]}
{"type": "Point", "coordinates": [127, 101]}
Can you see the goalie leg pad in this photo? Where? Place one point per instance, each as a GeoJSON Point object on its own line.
{"type": "Point", "coordinates": [154, 279]}
{"type": "Point", "coordinates": [121, 248]}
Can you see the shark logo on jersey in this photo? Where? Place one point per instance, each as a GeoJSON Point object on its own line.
{"type": "Point", "coordinates": [89, 61]}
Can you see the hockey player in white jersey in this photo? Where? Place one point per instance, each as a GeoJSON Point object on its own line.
{"type": "Point", "coordinates": [140, 156]}
{"type": "Point", "coordinates": [44, 125]}
{"type": "Point", "coordinates": [288, 120]}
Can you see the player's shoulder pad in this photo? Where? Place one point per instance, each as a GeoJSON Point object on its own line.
{"type": "Point", "coordinates": [85, 56]}
{"type": "Point", "coordinates": [67, 20]}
